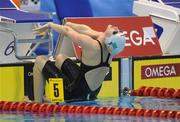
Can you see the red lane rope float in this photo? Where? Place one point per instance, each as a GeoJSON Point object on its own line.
{"type": "Point", "coordinates": [53, 108]}
{"type": "Point", "coordinates": [79, 109]}
{"type": "Point", "coordinates": [72, 109]}
{"type": "Point", "coordinates": [140, 112]}
{"type": "Point", "coordinates": [6, 106]}
{"type": "Point", "coordinates": [94, 110]}
{"type": "Point", "coordinates": [109, 110]}
{"type": "Point", "coordinates": [156, 92]}
{"type": "Point", "coordinates": [86, 109]}
{"type": "Point", "coordinates": [125, 111]}
{"type": "Point", "coordinates": [13, 106]}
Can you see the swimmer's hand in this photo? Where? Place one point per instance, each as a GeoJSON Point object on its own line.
{"type": "Point", "coordinates": [42, 30]}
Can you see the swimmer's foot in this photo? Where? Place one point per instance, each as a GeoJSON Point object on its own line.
{"type": "Point", "coordinates": [46, 99]}
{"type": "Point", "coordinates": [26, 99]}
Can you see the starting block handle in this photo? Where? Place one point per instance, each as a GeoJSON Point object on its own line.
{"type": "Point", "coordinates": [37, 41]}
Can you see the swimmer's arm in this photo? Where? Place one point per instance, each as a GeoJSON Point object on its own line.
{"type": "Point", "coordinates": [84, 29]}
{"type": "Point", "coordinates": [81, 39]}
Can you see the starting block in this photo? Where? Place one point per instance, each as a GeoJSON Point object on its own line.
{"type": "Point", "coordinates": [165, 15]}
{"type": "Point", "coordinates": [16, 32]}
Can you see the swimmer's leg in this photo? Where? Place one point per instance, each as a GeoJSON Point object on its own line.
{"type": "Point", "coordinates": [39, 80]}
{"type": "Point", "coordinates": [42, 71]}
{"type": "Point", "coordinates": [59, 60]}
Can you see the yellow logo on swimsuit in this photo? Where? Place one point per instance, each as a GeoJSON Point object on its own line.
{"type": "Point", "coordinates": [56, 89]}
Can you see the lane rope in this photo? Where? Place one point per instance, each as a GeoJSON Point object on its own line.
{"type": "Point", "coordinates": [53, 108]}
{"type": "Point", "coordinates": [156, 92]}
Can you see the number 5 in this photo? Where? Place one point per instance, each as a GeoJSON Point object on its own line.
{"type": "Point", "coordinates": [56, 90]}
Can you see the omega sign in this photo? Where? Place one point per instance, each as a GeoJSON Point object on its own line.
{"type": "Point", "coordinates": [139, 39]}
{"type": "Point", "coordinates": [160, 71]}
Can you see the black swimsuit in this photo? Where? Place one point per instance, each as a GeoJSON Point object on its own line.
{"type": "Point", "coordinates": [75, 84]}
{"type": "Point", "coordinates": [86, 68]}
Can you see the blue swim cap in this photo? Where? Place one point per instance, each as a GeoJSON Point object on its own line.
{"type": "Point", "coordinates": [115, 43]}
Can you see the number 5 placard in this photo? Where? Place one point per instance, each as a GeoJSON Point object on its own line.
{"type": "Point", "coordinates": [56, 89]}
